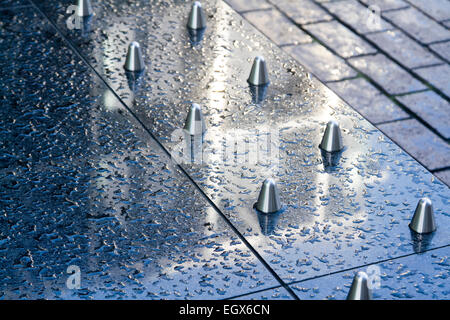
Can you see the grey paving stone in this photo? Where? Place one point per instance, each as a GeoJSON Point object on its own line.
{"type": "Point", "coordinates": [386, 4]}
{"type": "Point", "coordinates": [302, 11]}
{"type": "Point", "coordinates": [442, 49]}
{"type": "Point", "coordinates": [343, 41]}
{"type": "Point", "coordinates": [419, 142]}
{"type": "Point", "coordinates": [418, 25]}
{"type": "Point", "coordinates": [277, 27]}
{"type": "Point", "coordinates": [438, 76]}
{"type": "Point", "coordinates": [367, 100]}
{"type": "Point", "coordinates": [444, 176]}
{"type": "Point", "coordinates": [387, 74]}
{"type": "Point", "coordinates": [405, 50]}
{"type": "Point", "coordinates": [320, 61]}
{"type": "Point", "coordinates": [430, 107]}
{"type": "Point", "coordinates": [438, 9]}
{"type": "Point", "coordinates": [247, 5]}
{"type": "Point", "coordinates": [356, 15]}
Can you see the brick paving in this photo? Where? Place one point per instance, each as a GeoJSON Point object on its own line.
{"type": "Point", "coordinates": [390, 64]}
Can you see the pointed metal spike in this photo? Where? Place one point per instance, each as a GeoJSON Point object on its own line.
{"type": "Point", "coordinates": [197, 19]}
{"type": "Point", "coordinates": [360, 288]}
{"type": "Point", "coordinates": [195, 124]}
{"type": "Point", "coordinates": [269, 199]}
{"type": "Point", "coordinates": [84, 8]}
{"type": "Point", "coordinates": [134, 61]}
{"type": "Point", "coordinates": [423, 219]}
{"type": "Point", "coordinates": [258, 75]}
{"type": "Point", "coordinates": [332, 139]}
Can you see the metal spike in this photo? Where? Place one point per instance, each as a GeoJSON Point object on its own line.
{"type": "Point", "coordinates": [134, 61]}
{"type": "Point", "coordinates": [258, 75]}
{"type": "Point", "coordinates": [84, 8]}
{"type": "Point", "coordinates": [423, 219]}
{"type": "Point", "coordinates": [332, 139]}
{"type": "Point", "coordinates": [360, 288]}
{"type": "Point", "coordinates": [195, 124]}
{"type": "Point", "coordinates": [269, 199]}
{"type": "Point", "coordinates": [197, 18]}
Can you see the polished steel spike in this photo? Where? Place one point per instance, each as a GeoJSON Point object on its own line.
{"type": "Point", "coordinates": [84, 8]}
{"type": "Point", "coordinates": [332, 139]}
{"type": "Point", "coordinates": [423, 219]}
{"type": "Point", "coordinates": [197, 18]}
{"type": "Point", "coordinates": [269, 199]}
{"type": "Point", "coordinates": [360, 288]}
{"type": "Point", "coordinates": [134, 61]}
{"type": "Point", "coordinates": [195, 124]}
{"type": "Point", "coordinates": [258, 75]}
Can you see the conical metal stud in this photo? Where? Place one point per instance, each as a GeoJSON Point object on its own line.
{"type": "Point", "coordinates": [134, 61]}
{"type": "Point", "coordinates": [84, 8]}
{"type": "Point", "coordinates": [197, 18]}
{"type": "Point", "coordinates": [332, 139]}
{"type": "Point", "coordinates": [360, 288]}
{"type": "Point", "coordinates": [423, 219]}
{"type": "Point", "coordinates": [269, 199]}
{"type": "Point", "coordinates": [258, 75]}
{"type": "Point", "coordinates": [195, 124]}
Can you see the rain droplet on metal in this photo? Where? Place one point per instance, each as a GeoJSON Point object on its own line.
{"type": "Point", "coordinates": [423, 219]}
{"type": "Point", "coordinates": [197, 19]}
{"type": "Point", "coordinates": [332, 139]}
{"type": "Point", "coordinates": [134, 61]}
{"type": "Point", "coordinates": [360, 288]}
{"type": "Point", "coordinates": [258, 75]}
{"type": "Point", "coordinates": [195, 124]}
{"type": "Point", "coordinates": [84, 8]}
{"type": "Point", "coordinates": [269, 199]}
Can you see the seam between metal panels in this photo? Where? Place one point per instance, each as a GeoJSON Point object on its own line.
{"type": "Point", "coordinates": [368, 264]}
{"type": "Point", "coordinates": [341, 271]}
{"type": "Point", "coordinates": [73, 48]}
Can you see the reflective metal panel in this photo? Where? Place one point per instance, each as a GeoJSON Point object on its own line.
{"type": "Point", "coordinates": [420, 276]}
{"type": "Point", "coordinates": [341, 210]}
{"type": "Point", "coordinates": [90, 207]}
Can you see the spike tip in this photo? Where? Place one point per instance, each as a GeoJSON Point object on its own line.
{"type": "Point", "coordinates": [197, 18]}
{"type": "Point", "coordinates": [332, 139]}
{"type": "Point", "coordinates": [195, 124]}
{"type": "Point", "coordinates": [269, 199]}
{"type": "Point", "coordinates": [360, 288]}
{"type": "Point", "coordinates": [423, 219]}
{"type": "Point", "coordinates": [134, 61]}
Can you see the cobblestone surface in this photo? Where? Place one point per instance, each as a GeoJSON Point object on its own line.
{"type": "Point", "coordinates": [321, 61]}
{"type": "Point", "coordinates": [339, 38]}
{"type": "Point", "coordinates": [442, 49]}
{"type": "Point", "coordinates": [420, 142]}
{"type": "Point", "coordinates": [432, 108]}
{"type": "Point", "coordinates": [418, 25]}
{"type": "Point", "coordinates": [368, 101]}
{"type": "Point", "coordinates": [386, 4]}
{"type": "Point", "coordinates": [438, 76]}
{"type": "Point", "coordinates": [401, 47]}
{"type": "Point", "coordinates": [356, 15]}
{"type": "Point", "coordinates": [405, 50]}
{"type": "Point", "coordinates": [277, 27]}
{"type": "Point", "coordinates": [387, 74]}
{"type": "Point", "coordinates": [302, 11]}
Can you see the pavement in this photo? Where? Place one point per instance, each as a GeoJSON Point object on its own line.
{"type": "Point", "coordinates": [390, 63]}
{"type": "Point", "coordinates": [96, 204]}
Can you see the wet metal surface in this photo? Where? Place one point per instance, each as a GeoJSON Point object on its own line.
{"type": "Point", "coordinates": [420, 276]}
{"type": "Point", "coordinates": [339, 211]}
{"type": "Point", "coordinates": [354, 212]}
{"type": "Point", "coordinates": [83, 185]}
